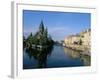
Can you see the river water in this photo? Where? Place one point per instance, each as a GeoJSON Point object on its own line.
{"type": "Point", "coordinates": [57, 56]}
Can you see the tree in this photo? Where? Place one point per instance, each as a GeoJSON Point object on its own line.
{"type": "Point", "coordinates": [24, 42]}
{"type": "Point", "coordinates": [41, 27]}
{"type": "Point", "coordinates": [41, 37]}
{"type": "Point", "coordinates": [42, 34]}
{"type": "Point", "coordinates": [80, 42]}
{"type": "Point", "coordinates": [45, 36]}
{"type": "Point", "coordinates": [30, 39]}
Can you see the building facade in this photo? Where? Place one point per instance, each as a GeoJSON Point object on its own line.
{"type": "Point", "coordinates": [83, 39]}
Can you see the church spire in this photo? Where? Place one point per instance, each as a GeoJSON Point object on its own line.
{"type": "Point", "coordinates": [41, 27]}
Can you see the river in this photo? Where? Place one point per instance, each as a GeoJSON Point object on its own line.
{"type": "Point", "coordinates": [57, 56]}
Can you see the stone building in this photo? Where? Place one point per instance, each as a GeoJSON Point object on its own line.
{"type": "Point", "coordinates": [81, 39]}
{"type": "Point", "coordinates": [86, 38]}
{"type": "Point", "coordinates": [72, 39]}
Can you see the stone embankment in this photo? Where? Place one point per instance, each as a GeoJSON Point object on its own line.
{"type": "Point", "coordinates": [83, 49]}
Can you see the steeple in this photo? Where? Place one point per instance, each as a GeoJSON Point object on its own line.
{"type": "Point", "coordinates": [41, 27]}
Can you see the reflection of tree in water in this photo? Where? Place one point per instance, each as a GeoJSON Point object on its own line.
{"type": "Point", "coordinates": [40, 55]}
{"type": "Point", "coordinates": [76, 54]}
{"type": "Point", "coordinates": [86, 59]}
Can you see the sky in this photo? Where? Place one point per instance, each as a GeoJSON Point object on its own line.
{"type": "Point", "coordinates": [59, 24]}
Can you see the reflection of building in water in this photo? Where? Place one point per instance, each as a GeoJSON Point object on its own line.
{"type": "Point", "coordinates": [75, 54]}
{"type": "Point", "coordinates": [86, 59]}
{"type": "Point", "coordinates": [40, 55]}
{"type": "Point", "coordinates": [71, 53]}
{"type": "Point", "coordinates": [79, 41]}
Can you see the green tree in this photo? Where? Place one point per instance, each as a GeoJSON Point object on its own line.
{"type": "Point", "coordinates": [41, 37]}
{"type": "Point", "coordinates": [41, 27]}
{"type": "Point", "coordinates": [30, 40]}
{"type": "Point", "coordinates": [80, 42]}
{"type": "Point", "coordinates": [24, 42]}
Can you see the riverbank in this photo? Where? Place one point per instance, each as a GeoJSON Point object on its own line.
{"type": "Point", "coordinates": [83, 49]}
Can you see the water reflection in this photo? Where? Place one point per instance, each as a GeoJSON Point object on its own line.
{"type": "Point", "coordinates": [55, 56]}
{"type": "Point", "coordinates": [40, 55]}
{"type": "Point", "coordinates": [71, 53]}
{"type": "Point", "coordinates": [76, 54]}
{"type": "Point", "coordinates": [86, 59]}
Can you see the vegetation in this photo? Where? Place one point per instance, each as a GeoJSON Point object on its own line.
{"type": "Point", "coordinates": [80, 42]}
{"type": "Point", "coordinates": [24, 41]}
{"type": "Point", "coordinates": [41, 38]}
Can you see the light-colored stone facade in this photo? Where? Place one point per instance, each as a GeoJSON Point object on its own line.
{"type": "Point", "coordinates": [72, 39]}
{"type": "Point", "coordinates": [87, 38]}
{"type": "Point", "coordinates": [83, 39]}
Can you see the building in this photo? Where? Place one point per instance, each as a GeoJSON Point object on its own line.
{"type": "Point", "coordinates": [72, 39]}
{"type": "Point", "coordinates": [82, 39]}
{"type": "Point", "coordinates": [87, 38]}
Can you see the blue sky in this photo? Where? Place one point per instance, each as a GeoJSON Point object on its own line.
{"type": "Point", "coordinates": [59, 24]}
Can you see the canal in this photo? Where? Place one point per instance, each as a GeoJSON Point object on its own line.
{"type": "Point", "coordinates": [56, 56]}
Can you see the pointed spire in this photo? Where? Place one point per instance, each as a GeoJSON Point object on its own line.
{"type": "Point", "coordinates": [41, 27]}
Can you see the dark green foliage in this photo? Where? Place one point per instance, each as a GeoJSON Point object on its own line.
{"type": "Point", "coordinates": [24, 42]}
{"type": "Point", "coordinates": [41, 27]}
{"type": "Point", "coordinates": [29, 40]}
{"type": "Point", "coordinates": [80, 42]}
{"type": "Point", "coordinates": [41, 37]}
